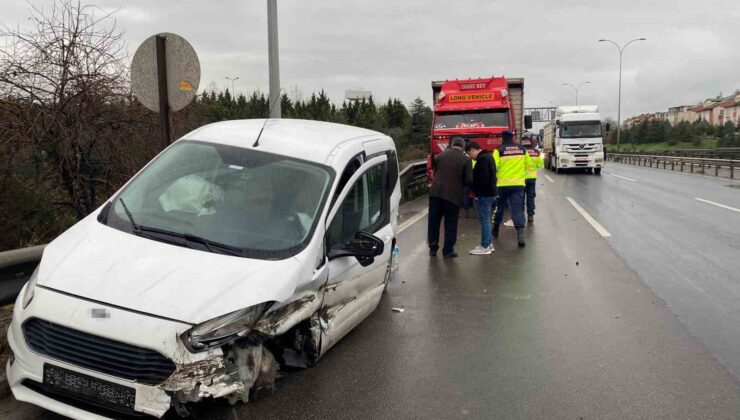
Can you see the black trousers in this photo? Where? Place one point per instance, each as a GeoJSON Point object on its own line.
{"type": "Point", "coordinates": [439, 209]}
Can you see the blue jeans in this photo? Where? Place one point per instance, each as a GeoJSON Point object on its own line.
{"type": "Point", "coordinates": [485, 205]}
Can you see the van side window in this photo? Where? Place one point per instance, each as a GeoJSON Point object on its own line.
{"type": "Point", "coordinates": [363, 209]}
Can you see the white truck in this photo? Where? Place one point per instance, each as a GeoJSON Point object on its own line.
{"type": "Point", "coordinates": [574, 139]}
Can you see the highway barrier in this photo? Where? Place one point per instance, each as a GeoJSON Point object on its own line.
{"type": "Point", "coordinates": [725, 168]}
{"type": "Point", "coordinates": [17, 265]}
{"type": "Point", "coordinates": [716, 153]}
{"type": "Point", "coordinates": [412, 177]}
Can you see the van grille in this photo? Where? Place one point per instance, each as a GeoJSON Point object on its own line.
{"type": "Point", "coordinates": [97, 353]}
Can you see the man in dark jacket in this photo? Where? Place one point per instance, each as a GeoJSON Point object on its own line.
{"type": "Point", "coordinates": [452, 170]}
{"type": "Point", "coordinates": [484, 188]}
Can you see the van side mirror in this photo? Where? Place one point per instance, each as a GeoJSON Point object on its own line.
{"type": "Point", "coordinates": [365, 247]}
{"type": "Point", "coordinates": [527, 122]}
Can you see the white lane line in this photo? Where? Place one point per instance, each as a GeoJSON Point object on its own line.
{"type": "Point", "coordinates": [623, 177]}
{"type": "Point", "coordinates": [596, 225]}
{"type": "Point", "coordinates": [407, 224]}
{"type": "Point", "coordinates": [717, 204]}
{"type": "Point", "coordinates": [548, 178]}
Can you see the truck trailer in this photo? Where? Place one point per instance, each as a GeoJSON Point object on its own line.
{"type": "Point", "coordinates": [476, 109]}
{"type": "Point", "coordinates": [574, 139]}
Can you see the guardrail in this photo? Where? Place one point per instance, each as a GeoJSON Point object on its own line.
{"type": "Point", "coordinates": [412, 176]}
{"type": "Point", "coordinates": [725, 168]}
{"type": "Point", "coordinates": [17, 265]}
{"type": "Point", "coordinates": [716, 153]}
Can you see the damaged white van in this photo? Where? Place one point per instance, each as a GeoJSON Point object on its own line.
{"type": "Point", "coordinates": [243, 247]}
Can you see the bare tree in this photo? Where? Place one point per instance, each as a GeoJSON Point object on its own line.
{"type": "Point", "coordinates": [63, 86]}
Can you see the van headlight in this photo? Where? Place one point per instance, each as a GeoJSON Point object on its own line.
{"type": "Point", "coordinates": [221, 330]}
{"type": "Point", "coordinates": [30, 288]}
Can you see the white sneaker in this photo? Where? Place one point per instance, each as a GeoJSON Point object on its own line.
{"type": "Point", "coordinates": [479, 250]}
{"type": "Point", "coordinates": [490, 247]}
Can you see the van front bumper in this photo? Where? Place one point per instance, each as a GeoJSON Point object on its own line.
{"type": "Point", "coordinates": [25, 371]}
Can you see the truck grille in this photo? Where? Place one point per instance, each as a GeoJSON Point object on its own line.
{"type": "Point", "coordinates": [576, 148]}
{"type": "Point", "coordinates": [97, 353]}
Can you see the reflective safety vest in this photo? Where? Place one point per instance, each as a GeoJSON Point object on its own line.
{"type": "Point", "coordinates": [512, 163]}
{"type": "Point", "coordinates": [537, 160]}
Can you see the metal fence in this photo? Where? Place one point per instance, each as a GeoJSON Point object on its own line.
{"type": "Point", "coordinates": [716, 153]}
{"type": "Point", "coordinates": [725, 168]}
{"type": "Point", "coordinates": [17, 265]}
{"type": "Point", "coordinates": [413, 175]}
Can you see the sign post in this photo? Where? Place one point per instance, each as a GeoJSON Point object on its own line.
{"type": "Point", "coordinates": [165, 73]}
{"type": "Point", "coordinates": [164, 103]}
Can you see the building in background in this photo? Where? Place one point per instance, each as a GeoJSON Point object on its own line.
{"type": "Point", "coordinates": [715, 111]}
{"type": "Point", "coordinates": [678, 114]}
{"type": "Point", "coordinates": [729, 109]}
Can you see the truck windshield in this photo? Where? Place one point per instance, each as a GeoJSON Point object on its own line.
{"type": "Point", "coordinates": [265, 205]}
{"type": "Point", "coordinates": [580, 129]}
{"type": "Point", "coordinates": [472, 119]}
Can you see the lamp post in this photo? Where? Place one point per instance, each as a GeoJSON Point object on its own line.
{"type": "Point", "coordinates": [273, 59]}
{"type": "Point", "coordinates": [233, 79]}
{"type": "Point", "coordinates": [576, 88]}
{"type": "Point", "coordinates": [619, 100]}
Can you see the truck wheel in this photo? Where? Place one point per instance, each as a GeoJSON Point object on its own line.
{"type": "Point", "coordinates": [597, 171]}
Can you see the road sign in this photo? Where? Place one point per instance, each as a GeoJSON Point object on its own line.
{"type": "Point", "coordinates": [182, 72]}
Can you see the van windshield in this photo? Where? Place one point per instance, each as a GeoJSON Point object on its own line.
{"type": "Point", "coordinates": [580, 129]}
{"type": "Point", "coordinates": [265, 205]}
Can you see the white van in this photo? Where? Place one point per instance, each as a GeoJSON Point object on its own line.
{"type": "Point", "coordinates": [243, 247]}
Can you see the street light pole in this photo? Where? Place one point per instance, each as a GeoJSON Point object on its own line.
{"type": "Point", "coordinates": [233, 79]}
{"type": "Point", "coordinates": [273, 58]}
{"type": "Point", "coordinates": [576, 88]}
{"type": "Point", "coordinates": [619, 96]}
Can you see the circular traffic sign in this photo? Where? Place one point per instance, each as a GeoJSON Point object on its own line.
{"type": "Point", "coordinates": [183, 72]}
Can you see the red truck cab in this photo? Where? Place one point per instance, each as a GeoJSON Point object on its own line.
{"type": "Point", "coordinates": [477, 109]}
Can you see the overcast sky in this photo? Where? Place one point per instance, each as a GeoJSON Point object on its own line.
{"type": "Point", "coordinates": [395, 48]}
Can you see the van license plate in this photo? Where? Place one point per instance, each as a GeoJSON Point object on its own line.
{"type": "Point", "coordinates": [86, 388]}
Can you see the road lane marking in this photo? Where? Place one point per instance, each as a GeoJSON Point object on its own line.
{"type": "Point", "coordinates": [548, 178]}
{"type": "Point", "coordinates": [717, 204]}
{"type": "Point", "coordinates": [407, 224]}
{"type": "Point", "coordinates": [596, 225]}
{"type": "Point", "coordinates": [623, 177]}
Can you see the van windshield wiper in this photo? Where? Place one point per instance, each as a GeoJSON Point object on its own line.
{"type": "Point", "coordinates": [137, 228]}
{"type": "Point", "coordinates": [210, 245]}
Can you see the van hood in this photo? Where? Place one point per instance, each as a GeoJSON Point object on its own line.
{"type": "Point", "coordinates": [94, 261]}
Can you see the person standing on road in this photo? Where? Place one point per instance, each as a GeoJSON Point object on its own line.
{"type": "Point", "coordinates": [530, 179]}
{"type": "Point", "coordinates": [452, 171]}
{"type": "Point", "coordinates": [484, 188]}
{"type": "Point", "coordinates": [512, 162]}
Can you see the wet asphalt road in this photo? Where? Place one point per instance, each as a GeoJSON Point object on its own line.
{"type": "Point", "coordinates": [568, 327]}
{"type": "Point", "coordinates": [686, 250]}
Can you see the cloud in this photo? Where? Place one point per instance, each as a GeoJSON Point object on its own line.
{"type": "Point", "coordinates": [395, 48]}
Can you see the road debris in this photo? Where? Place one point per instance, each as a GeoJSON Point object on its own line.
{"type": "Point", "coordinates": [400, 310]}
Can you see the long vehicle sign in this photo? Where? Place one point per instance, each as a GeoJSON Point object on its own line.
{"type": "Point", "coordinates": [471, 97]}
